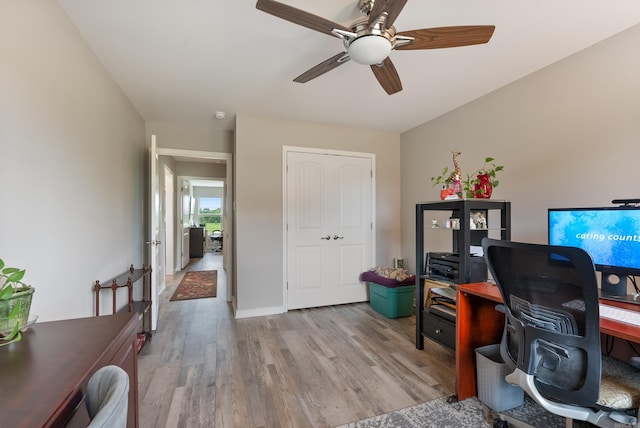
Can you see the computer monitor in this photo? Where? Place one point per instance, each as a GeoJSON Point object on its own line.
{"type": "Point", "coordinates": [611, 236]}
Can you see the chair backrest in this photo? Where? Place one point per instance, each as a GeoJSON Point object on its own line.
{"type": "Point", "coordinates": [552, 328]}
{"type": "Point", "coordinates": [107, 397]}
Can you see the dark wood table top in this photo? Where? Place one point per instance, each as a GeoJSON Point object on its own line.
{"type": "Point", "coordinates": [44, 373]}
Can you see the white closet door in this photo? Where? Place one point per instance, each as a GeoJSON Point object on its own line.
{"type": "Point", "coordinates": [329, 228]}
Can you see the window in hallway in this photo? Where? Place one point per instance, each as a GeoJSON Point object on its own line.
{"type": "Point", "coordinates": [210, 213]}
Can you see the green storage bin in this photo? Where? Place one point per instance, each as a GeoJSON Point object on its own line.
{"type": "Point", "coordinates": [392, 302]}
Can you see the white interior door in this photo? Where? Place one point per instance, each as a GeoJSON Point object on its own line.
{"type": "Point", "coordinates": [157, 274]}
{"type": "Point", "coordinates": [329, 228]}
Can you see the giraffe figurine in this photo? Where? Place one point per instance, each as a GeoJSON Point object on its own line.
{"type": "Point", "coordinates": [457, 173]}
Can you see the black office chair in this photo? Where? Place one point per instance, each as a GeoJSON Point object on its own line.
{"type": "Point", "coordinates": [551, 340]}
{"type": "Point", "coordinates": [107, 398]}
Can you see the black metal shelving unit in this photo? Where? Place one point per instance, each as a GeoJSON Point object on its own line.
{"type": "Point", "coordinates": [462, 239]}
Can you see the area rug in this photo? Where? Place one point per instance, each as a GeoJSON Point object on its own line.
{"type": "Point", "coordinates": [467, 413]}
{"type": "Point", "coordinates": [197, 285]}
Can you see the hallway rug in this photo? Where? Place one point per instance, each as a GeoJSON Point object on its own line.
{"type": "Point", "coordinates": [471, 413]}
{"type": "Point", "coordinates": [197, 285]}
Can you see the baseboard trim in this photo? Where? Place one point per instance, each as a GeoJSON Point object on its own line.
{"type": "Point", "coordinates": [260, 312]}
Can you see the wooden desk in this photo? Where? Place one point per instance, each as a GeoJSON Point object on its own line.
{"type": "Point", "coordinates": [44, 376]}
{"type": "Point", "coordinates": [479, 324]}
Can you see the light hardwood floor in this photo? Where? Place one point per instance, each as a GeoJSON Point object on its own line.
{"type": "Point", "coordinates": [319, 367]}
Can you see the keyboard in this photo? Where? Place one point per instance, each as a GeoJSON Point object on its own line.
{"type": "Point", "coordinates": [620, 315]}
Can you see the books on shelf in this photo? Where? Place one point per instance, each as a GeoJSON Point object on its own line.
{"type": "Point", "coordinates": [442, 297]}
{"type": "Point", "coordinates": [446, 292]}
{"type": "Point", "coordinates": [441, 300]}
{"type": "Point", "coordinates": [444, 302]}
{"type": "Point", "coordinates": [443, 311]}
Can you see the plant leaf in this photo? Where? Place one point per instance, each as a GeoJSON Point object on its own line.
{"type": "Point", "coordinates": [1, 264]}
{"type": "Point", "coordinates": [16, 276]}
{"type": "Point", "coordinates": [14, 336]}
{"type": "Point", "coordinates": [5, 293]}
{"type": "Point", "coordinates": [14, 312]}
{"type": "Point", "coordinates": [9, 270]}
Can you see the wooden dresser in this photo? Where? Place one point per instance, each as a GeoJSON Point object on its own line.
{"type": "Point", "coordinates": [43, 377]}
{"type": "Point", "coordinates": [196, 242]}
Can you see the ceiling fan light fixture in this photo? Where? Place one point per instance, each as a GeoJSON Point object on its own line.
{"type": "Point", "coordinates": [370, 49]}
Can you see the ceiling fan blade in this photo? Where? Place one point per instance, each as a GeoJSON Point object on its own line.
{"type": "Point", "coordinates": [323, 67]}
{"type": "Point", "coordinates": [392, 7]}
{"type": "Point", "coordinates": [300, 17]}
{"type": "Point", "coordinates": [448, 37]}
{"type": "Point", "coordinates": [387, 76]}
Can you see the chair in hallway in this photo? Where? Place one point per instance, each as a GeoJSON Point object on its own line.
{"type": "Point", "coordinates": [216, 238]}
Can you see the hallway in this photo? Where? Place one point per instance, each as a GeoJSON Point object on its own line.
{"type": "Point", "coordinates": [317, 367]}
{"type": "Point", "coordinates": [180, 360]}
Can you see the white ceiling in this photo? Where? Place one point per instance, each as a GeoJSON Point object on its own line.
{"type": "Point", "coordinates": [182, 60]}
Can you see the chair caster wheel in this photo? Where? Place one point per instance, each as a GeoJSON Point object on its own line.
{"type": "Point", "coordinates": [499, 423]}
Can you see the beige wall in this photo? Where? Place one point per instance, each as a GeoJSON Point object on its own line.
{"type": "Point", "coordinates": [208, 192]}
{"type": "Point", "coordinates": [72, 150]}
{"type": "Point", "coordinates": [201, 170]}
{"type": "Point", "coordinates": [568, 135]}
{"type": "Point", "coordinates": [258, 191]}
{"type": "Point", "coordinates": [190, 137]}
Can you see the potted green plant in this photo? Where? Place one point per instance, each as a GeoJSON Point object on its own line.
{"type": "Point", "coordinates": [15, 303]}
{"type": "Point", "coordinates": [480, 183]}
{"type": "Point", "coordinates": [446, 178]}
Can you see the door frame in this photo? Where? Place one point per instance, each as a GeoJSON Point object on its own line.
{"type": "Point", "coordinates": [155, 262]}
{"type": "Point", "coordinates": [169, 223]}
{"type": "Point", "coordinates": [182, 256]}
{"type": "Point", "coordinates": [285, 200]}
{"type": "Point", "coordinates": [228, 204]}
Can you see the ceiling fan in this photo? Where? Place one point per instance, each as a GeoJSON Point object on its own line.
{"type": "Point", "coordinates": [370, 40]}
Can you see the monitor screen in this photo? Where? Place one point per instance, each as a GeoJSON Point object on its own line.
{"type": "Point", "coordinates": [610, 235]}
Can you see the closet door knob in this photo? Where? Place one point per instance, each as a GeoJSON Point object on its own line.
{"type": "Point", "coordinates": [326, 237]}
{"type": "Point", "coordinates": [335, 237]}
